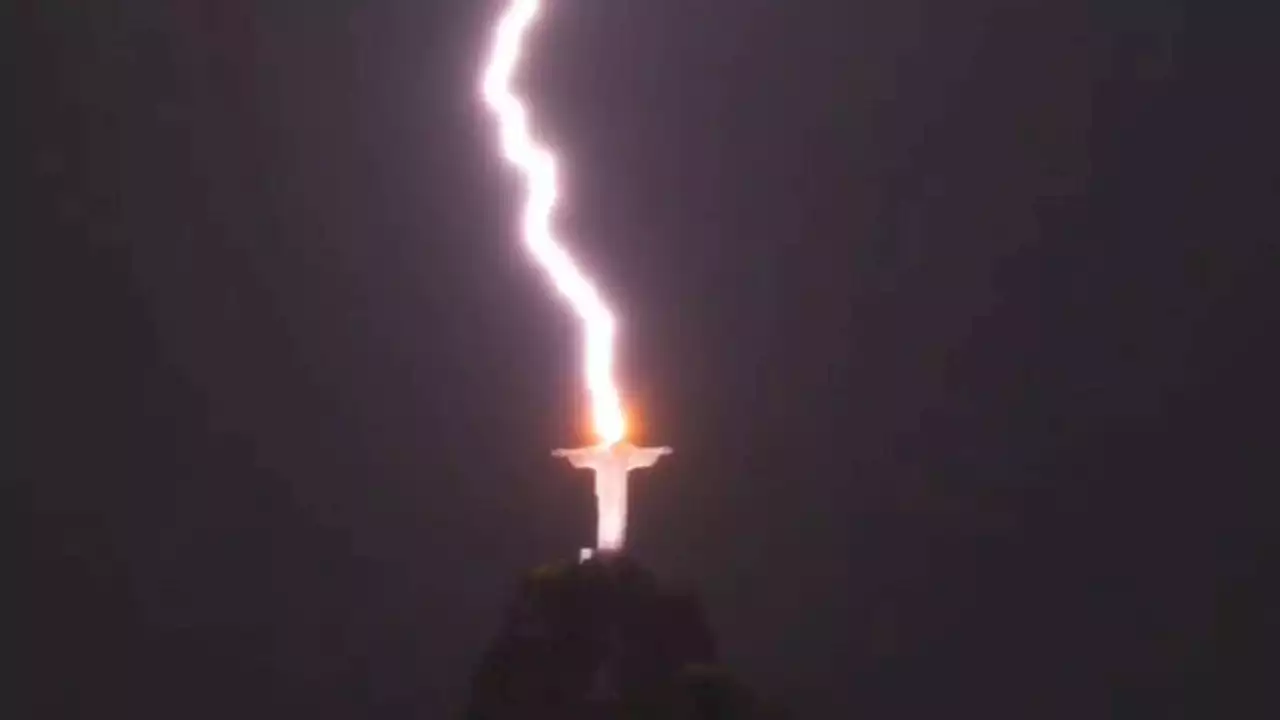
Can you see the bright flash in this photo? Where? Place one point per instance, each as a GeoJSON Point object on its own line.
{"type": "Point", "coordinates": [538, 166]}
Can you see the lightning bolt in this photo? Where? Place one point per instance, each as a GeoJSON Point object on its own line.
{"type": "Point", "coordinates": [538, 166]}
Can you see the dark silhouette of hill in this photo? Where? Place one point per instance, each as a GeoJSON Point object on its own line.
{"type": "Point", "coordinates": [602, 639]}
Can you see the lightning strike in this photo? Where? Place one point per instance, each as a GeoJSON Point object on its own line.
{"type": "Point", "coordinates": [538, 166]}
{"type": "Point", "coordinates": [613, 458]}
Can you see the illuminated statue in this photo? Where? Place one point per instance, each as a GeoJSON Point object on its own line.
{"type": "Point", "coordinates": [611, 464]}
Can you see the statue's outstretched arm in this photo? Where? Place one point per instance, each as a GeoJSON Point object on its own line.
{"type": "Point", "coordinates": [644, 457]}
{"type": "Point", "coordinates": [579, 458]}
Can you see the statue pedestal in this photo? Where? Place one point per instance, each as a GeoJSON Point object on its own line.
{"type": "Point", "coordinates": [600, 555]}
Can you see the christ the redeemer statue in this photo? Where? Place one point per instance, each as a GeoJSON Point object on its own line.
{"type": "Point", "coordinates": [611, 464]}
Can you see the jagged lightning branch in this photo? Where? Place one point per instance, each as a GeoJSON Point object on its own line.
{"type": "Point", "coordinates": [538, 166]}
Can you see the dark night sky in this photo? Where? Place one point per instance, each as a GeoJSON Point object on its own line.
{"type": "Point", "coordinates": [954, 313]}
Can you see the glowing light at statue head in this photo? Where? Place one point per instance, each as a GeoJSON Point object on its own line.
{"type": "Point", "coordinates": [538, 166]}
